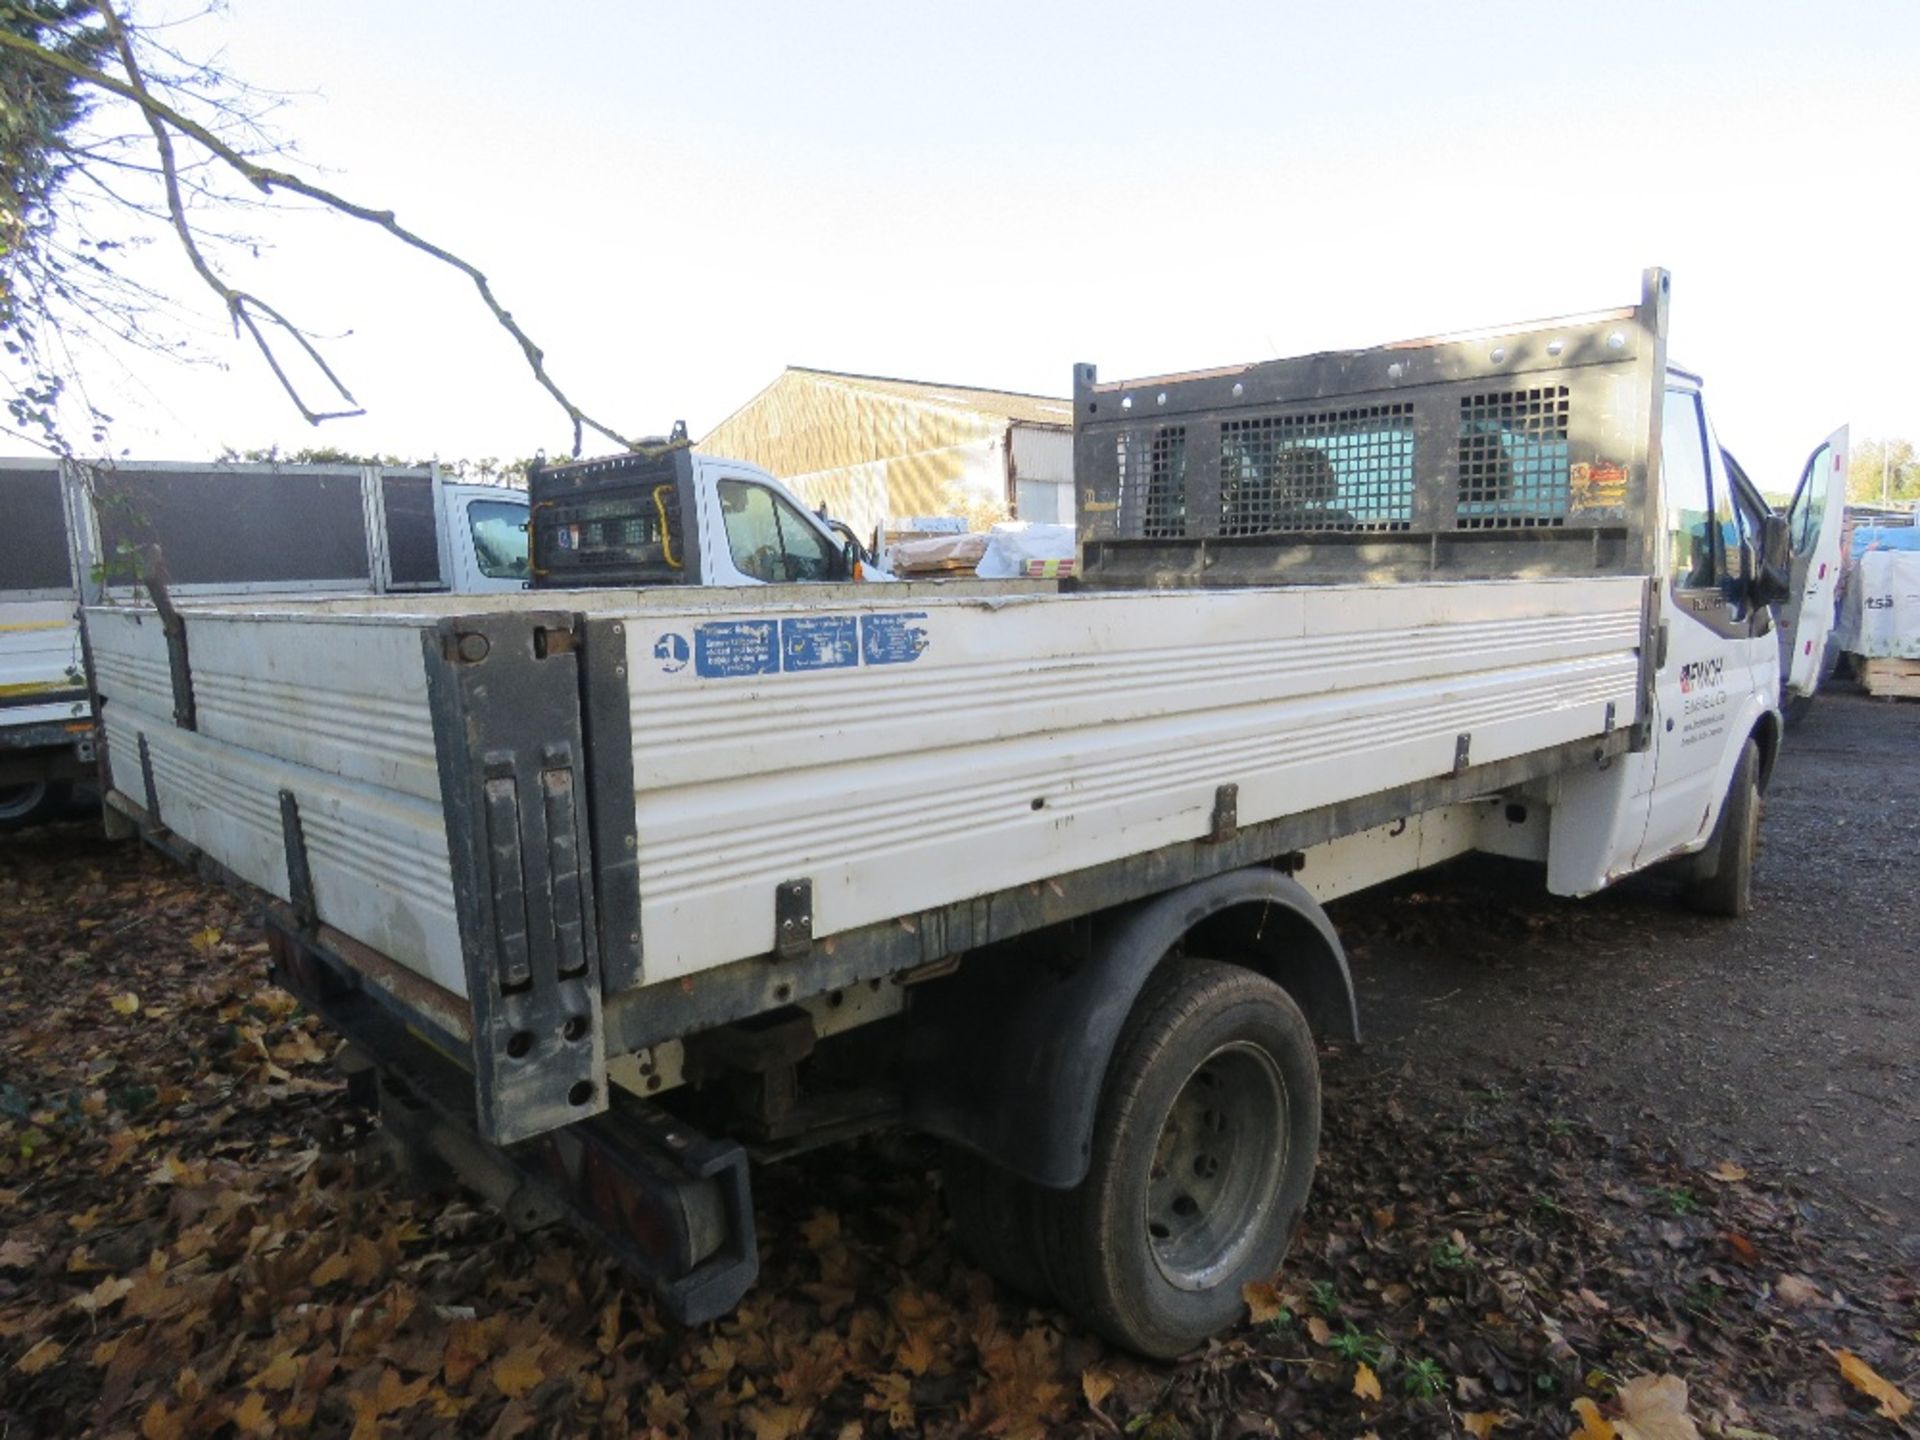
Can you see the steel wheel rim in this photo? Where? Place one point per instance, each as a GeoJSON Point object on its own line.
{"type": "Point", "coordinates": [18, 800]}
{"type": "Point", "coordinates": [1216, 1166]}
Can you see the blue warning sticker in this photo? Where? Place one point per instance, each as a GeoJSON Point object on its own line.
{"type": "Point", "coordinates": [819, 642]}
{"type": "Point", "coordinates": [728, 648]}
{"type": "Point", "coordinates": [893, 639]}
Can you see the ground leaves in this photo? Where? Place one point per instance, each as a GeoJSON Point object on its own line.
{"type": "Point", "coordinates": [200, 1238]}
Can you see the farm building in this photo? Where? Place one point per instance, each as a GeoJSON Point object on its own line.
{"type": "Point", "coordinates": [875, 450]}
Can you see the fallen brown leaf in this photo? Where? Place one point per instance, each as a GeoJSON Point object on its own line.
{"type": "Point", "coordinates": [1593, 1425]}
{"type": "Point", "coordinates": [281, 1373]}
{"type": "Point", "coordinates": [387, 1396]}
{"type": "Point", "coordinates": [517, 1371]}
{"type": "Point", "coordinates": [1366, 1384]}
{"type": "Point", "coordinates": [105, 1295]}
{"type": "Point", "coordinates": [162, 1422]}
{"type": "Point", "coordinates": [39, 1357]}
{"type": "Point", "coordinates": [1862, 1376]}
{"type": "Point", "coordinates": [250, 1416]}
{"type": "Point", "coordinates": [1797, 1290]}
{"type": "Point", "coordinates": [1654, 1407]}
{"type": "Point", "coordinates": [1263, 1301]}
{"type": "Point", "coordinates": [777, 1422]}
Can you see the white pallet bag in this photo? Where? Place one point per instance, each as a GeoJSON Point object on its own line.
{"type": "Point", "coordinates": [1889, 583]}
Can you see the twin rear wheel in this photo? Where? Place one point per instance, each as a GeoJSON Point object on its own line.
{"type": "Point", "coordinates": [1203, 1152]}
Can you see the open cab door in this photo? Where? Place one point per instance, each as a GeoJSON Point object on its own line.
{"type": "Point", "coordinates": [1813, 525]}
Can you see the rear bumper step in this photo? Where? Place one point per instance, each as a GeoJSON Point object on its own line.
{"type": "Point", "coordinates": [675, 1206]}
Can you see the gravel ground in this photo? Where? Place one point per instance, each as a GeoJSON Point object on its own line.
{"type": "Point", "coordinates": [1788, 1041]}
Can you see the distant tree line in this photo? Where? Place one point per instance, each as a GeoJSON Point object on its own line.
{"type": "Point", "coordinates": [488, 470]}
{"type": "Point", "coordinates": [1883, 470]}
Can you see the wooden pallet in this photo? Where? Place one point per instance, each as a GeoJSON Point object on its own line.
{"type": "Point", "coordinates": [1894, 679]}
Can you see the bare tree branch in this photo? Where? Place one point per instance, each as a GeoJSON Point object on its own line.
{"type": "Point", "coordinates": [162, 117]}
{"type": "Point", "coordinates": [236, 301]}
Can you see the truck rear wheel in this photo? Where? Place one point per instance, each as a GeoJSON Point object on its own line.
{"type": "Point", "coordinates": [1203, 1153]}
{"type": "Point", "coordinates": [1724, 874]}
{"type": "Point", "coordinates": [30, 802]}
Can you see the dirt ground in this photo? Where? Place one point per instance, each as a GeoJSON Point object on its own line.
{"type": "Point", "coordinates": [1600, 1162]}
{"type": "Point", "coordinates": [1789, 1040]}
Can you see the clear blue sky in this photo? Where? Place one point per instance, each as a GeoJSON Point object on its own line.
{"type": "Point", "coordinates": [679, 200]}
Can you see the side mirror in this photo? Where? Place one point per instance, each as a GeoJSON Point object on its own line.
{"type": "Point", "coordinates": [850, 560]}
{"type": "Point", "coordinates": [1770, 573]}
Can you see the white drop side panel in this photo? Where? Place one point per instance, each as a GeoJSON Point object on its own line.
{"type": "Point", "coordinates": [983, 745]}
{"type": "Point", "coordinates": [332, 711]}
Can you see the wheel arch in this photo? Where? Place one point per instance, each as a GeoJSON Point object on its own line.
{"type": "Point", "coordinates": [1008, 1057]}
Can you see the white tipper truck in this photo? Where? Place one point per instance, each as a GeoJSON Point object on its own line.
{"type": "Point", "coordinates": [618, 892]}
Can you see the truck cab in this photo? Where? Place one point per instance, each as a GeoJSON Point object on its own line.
{"type": "Point", "coordinates": [671, 516]}
{"type": "Point", "coordinates": [485, 530]}
{"type": "Point", "coordinates": [1716, 658]}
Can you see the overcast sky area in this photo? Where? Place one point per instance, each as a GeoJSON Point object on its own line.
{"type": "Point", "coordinates": [677, 201]}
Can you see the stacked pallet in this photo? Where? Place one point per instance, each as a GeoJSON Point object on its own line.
{"type": "Point", "coordinates": [935, 556]}
{"type": "Point", "coordinates": [1891, 679]}
{"type": "Point", "coordinates": [1881, 619]}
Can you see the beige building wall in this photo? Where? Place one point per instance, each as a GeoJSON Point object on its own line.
{"type": "Point", "coordinates": [871, 450]}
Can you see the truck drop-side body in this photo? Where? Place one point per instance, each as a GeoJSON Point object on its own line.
{"type": "Point", "coordinates": [46, 725]}
{"type": "Point", "coordinates": [643, 864]}
{"type": "Point", "coordinates": [79, 532]}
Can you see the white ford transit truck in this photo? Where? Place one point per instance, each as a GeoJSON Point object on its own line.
{"type": "Point", "coordinates": [618, 893]}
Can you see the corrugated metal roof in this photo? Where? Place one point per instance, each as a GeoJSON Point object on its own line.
{"type": "Point", "coordinates": [1006, 404]}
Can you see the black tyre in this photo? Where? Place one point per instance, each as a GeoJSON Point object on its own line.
{"type": "Point", "coordinates": [1723, 873]}
{"type": "Point", "coordinates": [1795, 709]}
{"type": "Point", "coordinates": [32, 801]}
{"type": "Point", "coordinates": [1203, 1153]}
{"type": "Point", "coordinates": [990, 1210]}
